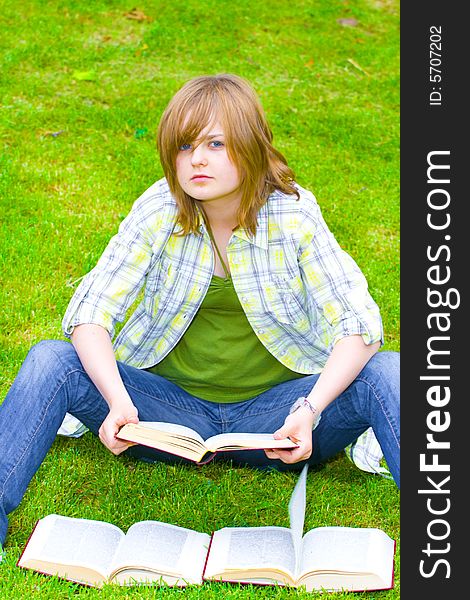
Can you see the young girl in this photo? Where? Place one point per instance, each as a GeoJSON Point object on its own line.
{"type": "Point", "coordinates": [252, 318]}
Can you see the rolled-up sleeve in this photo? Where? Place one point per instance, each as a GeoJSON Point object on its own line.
{"type": "Point", "coordinates": [336, 287]}
{"type": "Point", "coordinates": [105, 293]}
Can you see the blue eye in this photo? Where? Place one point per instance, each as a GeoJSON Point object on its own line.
{"type": "Point", "coordinates": [217, 143]}
{"type": "Point", "coordinates": [185, 146]}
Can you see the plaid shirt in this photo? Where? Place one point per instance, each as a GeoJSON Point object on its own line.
{"type": "Point", "coordinates": [300, 291]}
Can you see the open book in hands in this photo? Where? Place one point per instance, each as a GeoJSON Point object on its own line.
{"type": "Point", "coordinates": [95, 552]}
{"type": "Point", "coordinates": [187, 443]}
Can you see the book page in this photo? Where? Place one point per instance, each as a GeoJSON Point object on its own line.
{"type": "Point", "coordinates": [69, 541]}
{"type": "Point", "coordinates": [164, 548]}
{"type": "Point", "coordinates": [180, 430]}
{"type": "Point", "coordinates": [245, 548]}
{"type": "Point", "coordinates": [297, 504]}
{"type": "Point", "coordinates": [232, 441]}
{"type": "Point", "coordinates": [349, 549]}
{"type": "Point", "coordinates": [168, 437]}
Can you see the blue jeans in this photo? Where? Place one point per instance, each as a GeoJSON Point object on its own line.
{"type": "Point", "coordinates": [52, 382]}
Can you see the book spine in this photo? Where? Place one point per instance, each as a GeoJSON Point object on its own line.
{"type": "Point", "coordinates": [207, 458]}
{"type": "Point", "coordinates": [207, 556]}
{"type": "Point", "coordinates": [393, 564]}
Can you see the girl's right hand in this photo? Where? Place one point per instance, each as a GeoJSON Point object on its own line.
{"type": "Point", "coordinates": [117, 417]}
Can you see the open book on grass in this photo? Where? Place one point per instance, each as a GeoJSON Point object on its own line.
{"type": "Point", "coordinates": [329, 558]}
{"type": "Point", "coordinates": [95, 552]}
{"type": "Point", "coordinates": [187, 443]}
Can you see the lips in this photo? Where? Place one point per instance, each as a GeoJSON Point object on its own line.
{"type": "Point", "coordinates": [200, 177]}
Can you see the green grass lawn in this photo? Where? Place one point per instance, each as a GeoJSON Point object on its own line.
{"type": "Point", "coordinates": [83, 84]}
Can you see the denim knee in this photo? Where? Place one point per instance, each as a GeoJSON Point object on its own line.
{"type": "Point", "coordinates": [383, 366]}
{"type": "Point", "coordinates": [382, 374]}
{"type": "Point", "coordinates": [52, 357]}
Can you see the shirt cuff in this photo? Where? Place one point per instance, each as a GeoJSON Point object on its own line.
{"type": "Point", "coordinates": [87, 313]}
{"type": "Point", "coordinates": [351, 325]}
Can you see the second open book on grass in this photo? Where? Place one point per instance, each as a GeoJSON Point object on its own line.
{"type": "Point", "coordinates": [332, 558]}
{"type": "Point", "coordinates": [187, 443]}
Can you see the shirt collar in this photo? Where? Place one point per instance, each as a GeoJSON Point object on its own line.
{"type": "Point", "coordinates": [260, 238]}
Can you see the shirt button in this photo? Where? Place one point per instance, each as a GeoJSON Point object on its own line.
{"type": "Point", "coordinates": [260, 330]}
{"type": "Point", "coordinates": [245, 299]}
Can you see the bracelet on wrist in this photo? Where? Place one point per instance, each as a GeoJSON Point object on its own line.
{"type": "Point", "coordinates": [303, 401]}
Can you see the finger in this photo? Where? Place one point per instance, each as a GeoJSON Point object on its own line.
{"type": "Point", "coordinates": [293, 456]}
{"type": "Point", "coordinates": [271, 454]}
{"type": "Point", "coordinates": [281, 433]}
{"type": "Point", "coordinates": [117, 451]}
{"type": "Point", "coordinates": [123, 419]}
{"type": "Point", "coordinates": [108, 438]}
{"type": "Point", "coordinates": [277, 453]}
{"type": "Point", "coordinates": [120, 447]}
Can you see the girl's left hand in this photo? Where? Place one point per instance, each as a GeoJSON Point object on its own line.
{"type": "Point", "coordinates": [297, 427]}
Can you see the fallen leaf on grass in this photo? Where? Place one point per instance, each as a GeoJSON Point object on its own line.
{"type": "Point", "coordinates": [84, 75]}
{"type": "Point", "coordinates": [137, 15]}
{"type": "Point", "coordinates": [354, 64]}
{"type": "Point", "coordinates": [51, 133]}
{"type": "Point", "coordinates": [347, 22]}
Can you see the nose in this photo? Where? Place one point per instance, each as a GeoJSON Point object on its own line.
{"type": "Point", "coordinates": [198, 157]}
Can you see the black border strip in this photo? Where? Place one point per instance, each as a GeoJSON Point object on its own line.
{"type": "Point", "coordinates": [434, 522]}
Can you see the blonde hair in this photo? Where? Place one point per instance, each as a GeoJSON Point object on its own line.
{"type": "Point", "coordinates": [248, 137]}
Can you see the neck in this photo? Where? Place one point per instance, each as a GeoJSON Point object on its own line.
{"type": "Point", "coordinates": [221, 214]}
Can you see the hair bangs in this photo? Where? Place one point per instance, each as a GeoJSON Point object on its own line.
{"type": "Point", "coordinates": [199, 114]}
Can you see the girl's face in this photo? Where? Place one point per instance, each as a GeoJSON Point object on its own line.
{"type": "Point", "coordinates": [204, 169]}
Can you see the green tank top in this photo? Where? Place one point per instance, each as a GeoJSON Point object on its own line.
{"type": "Point", "coordinates": [220, 358]}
